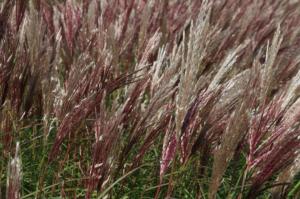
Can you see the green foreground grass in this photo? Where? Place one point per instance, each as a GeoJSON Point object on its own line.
{"type": "Point", "coordinates": [66, 175]}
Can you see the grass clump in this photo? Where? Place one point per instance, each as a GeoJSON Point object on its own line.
{"type": "Point", "coordinates": [149, 99]}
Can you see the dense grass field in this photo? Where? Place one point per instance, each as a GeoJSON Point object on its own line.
{"type": "Point", "coordinates": [136, 99]}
